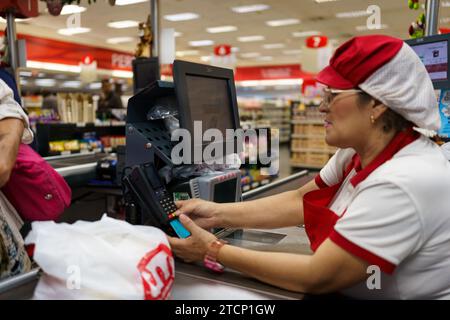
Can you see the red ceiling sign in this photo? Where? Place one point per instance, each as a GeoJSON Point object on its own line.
{"type": "Point", "coordinates": [20, 8]}
{"type": "Point", "coordinates": [222, 50]}
{"type": "Point", "coordinates": [55, 51]}
{"type": "Point", "coordinates": [316, 41]}
{"type": "Point", "coordinates": [290, 71]}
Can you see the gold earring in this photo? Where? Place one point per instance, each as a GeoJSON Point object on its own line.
{"type": "Point", "coordinates": [372, 119]}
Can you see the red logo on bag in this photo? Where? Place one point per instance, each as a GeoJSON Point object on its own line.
{"type": "Point", "coordinates": [157, 283]}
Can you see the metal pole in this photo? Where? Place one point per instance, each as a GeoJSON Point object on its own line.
{"type": "Point", "coordinates": [154, 12]}
{"type": "Point", "coordinates": [432, 17]}
{"type": "Point", "coordinates": [12, 41]}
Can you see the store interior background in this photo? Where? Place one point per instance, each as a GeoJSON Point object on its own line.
{"type": "Point", "coordinates": [273, 39]}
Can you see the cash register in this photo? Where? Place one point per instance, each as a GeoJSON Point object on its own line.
{"type": "Point", "coordinates": [198, 93]}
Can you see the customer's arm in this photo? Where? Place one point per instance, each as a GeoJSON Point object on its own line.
{"type": "Point", "coordinates": [11, 131]}
{"type": "Point", "coordinates": [281, 210]}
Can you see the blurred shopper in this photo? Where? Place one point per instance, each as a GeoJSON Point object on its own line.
{"type": "Point", "coordinates": [380, 207]}
{"type": "Point", "coordinates": [14, 129]}
{"type": "Point", "coordinates": [109, 99]}
{"type": "Point", "coordinates": [50, 101]}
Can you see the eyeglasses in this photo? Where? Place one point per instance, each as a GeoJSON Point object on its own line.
{"type": "Point", "coordinates": [331, 94]}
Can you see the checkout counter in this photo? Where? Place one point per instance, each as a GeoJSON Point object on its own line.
{"type": "Point", "coordinates": [194, 282]}
{"type": "Point", "coordinates": [148, 145]}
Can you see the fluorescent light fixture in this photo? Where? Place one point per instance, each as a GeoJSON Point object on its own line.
{"type": "Point", "coordinates": [95, 85]}
{"type": "Point", "coordinates": [352, 14]}
{"type": "Point", "coordinates": [45, 82]}
{"type": "Point", "coordinates": [205, 58]}
{"type": "Point", "coordinates": [181, 16]}
{"type": "Point", "coordinates": [280, 82]}
{"type": "Point", "coordinates": [71, 9]}
{"type": "Point", "coordinates": [282, 22]}
{"type": "Point", "coordinates": [304, 34]}
{"type": "Point", "coordinates": [122, 74]}
{"type": "Point", "coordinates": [72, 31]}
{"type": "Point", "coordinates": [118, 40]}
{"type": "Point", "coordinates": [177, 34]}
{"type": "Point", "coordinates": [250, 55]}
{"type": "Point", "coordinates": [273, 46]}
{"type": "Point", "coordinates": [250, 8]}
{"type": "Point", "coordinates": [201, 43]}
{"type": "Point", "coordinates": [265, 58]}
{"type": "Point", "coordinates": [71, 84]}
{"type": "Point", "coordinates": [127, 2]}
{"type": "Point", "coordinates": [221, 29]}
{"type": "Point", "coordinates": [123, 24]}
{"type": "Point", "coordinates": [251, 38]}
{"type": "Point", "coordinates": [53, 66]}
{"type": "Point", "coordinates": [25, 73]}
{"type": "Point", "coordinates": [293, 51]}
{"type": "Point", "coordinates": [234, 49]}
{"type": "Point", "coordinates": [324, 1]}
{"type": "Point", "coordinates": [187, 53]}
{"type": "Point", "coordinates": [365, 28]}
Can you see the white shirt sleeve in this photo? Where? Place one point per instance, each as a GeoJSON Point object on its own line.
{"type": "Point", "coordinates": [9, 108]}
{"type": "Point", "coordinates": [381, 224]}
{"type": "Point", "coordinates": [333, 171]}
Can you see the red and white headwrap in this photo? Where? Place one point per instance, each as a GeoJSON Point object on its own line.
{"type": "Point", "coordinates": [388, 70]}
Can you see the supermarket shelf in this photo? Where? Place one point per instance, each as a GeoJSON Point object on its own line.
{"type": "Point", "coordinates": [313, 150]}
{"type": "Point", "coordinates": [305, 165]}
{"type": "Point", "coordinates": [307, 122]}
{"type": "Point", "coordinates": [303, 136]}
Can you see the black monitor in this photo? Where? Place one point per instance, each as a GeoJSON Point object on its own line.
{"type": "Point", "coordinates": [434, 52]}
{"type": "Point", "coordinates": [145, 71]}
{"type": "Point", "coordinates": [208, 94]}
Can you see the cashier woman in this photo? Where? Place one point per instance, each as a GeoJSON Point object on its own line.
{"type": "Point", "coordinates": [382, 202]}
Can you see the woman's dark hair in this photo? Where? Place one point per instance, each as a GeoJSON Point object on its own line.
{"type": "Point", "coordinates": [390, 119]}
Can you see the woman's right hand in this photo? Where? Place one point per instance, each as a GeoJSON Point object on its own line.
{"type": "Point", "coordinates": [204, 213]}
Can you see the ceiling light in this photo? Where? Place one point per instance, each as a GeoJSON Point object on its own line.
{"type": "Point", "coordinates": [71, 9]}
{"type": "Point", "coordinates": [273, 46]}
{"type": "Point", "coordinates": [177, 34]}
{"type": "Point", "coordinates": [280, 82]}
{"type": "Point", "coordinates": [95, 85]}
{"type": "Point", "coordinates": [250, 8]}
{"type": "Point", "coordinates": [53, 66]}
{"type": "Point", "coordinates": [265, 58]}
{"type": "Point", "coordinates": [127, 2]}
{"type": "Point", "coordinates": [123, 24]}
{"type": "Point", "coordinates": [205, 58]}
{"type": "Point", "coordinates": [45, 82]}
{"type": "Point", "coordinates": [187, 53]}
{"type": "Point", "coordinates": [250, 38]}
{"type": "Point", "coordinates": [234, 49]}
{"type": "Point", "coordinates": [122, 74]}
{"type": "Point", "coordinates": [72, 31]}
{"type": "Point", "coordinates": [181, 16]}
{"type": "Point", "coordinates": [352, 14]}
{"type": "Point", "coordinates": [118, 40]}
{"type": "Point", "coordinates": [3, 20]}
{"type": "Point", "coordinates": [324, 1]}
{"type": "Point", "coordinates": [282, 22]}
{"type": "Point", "coordinates": [293, 52]}
{"type": "Point", "coordinates": [365, 28]}
{"type": "Point", "coordinates": [71, 84]}
{"type": "Point", "coordinates": [221, 29]}
{"type": "Point", "coordinates": [201, 43]}
{"type": "Point", "coordinates": [304, 34]}
{"type": "Point", "coordinates": [250, 55]}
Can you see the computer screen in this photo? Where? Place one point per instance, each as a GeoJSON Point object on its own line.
{"type": "Point", "coordinates": [434, 52]}
{"type": "Point", "coordinates": [209, 102]}
{"type": "Point", "coordinates": [434, 56]}
{"type": "Point", "coordinates": [225, 191]}
{"type": "Point", "coordinates": [145, 71]}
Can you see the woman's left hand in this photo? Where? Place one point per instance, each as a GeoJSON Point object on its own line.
{"type": "Point", "coordinates": [194, 248]}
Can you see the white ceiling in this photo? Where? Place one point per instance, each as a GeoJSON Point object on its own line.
{"type": "Point", "coordinates": [321, 17]}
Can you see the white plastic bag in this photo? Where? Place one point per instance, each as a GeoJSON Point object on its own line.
{"type": "Point", "coordinates": [106, 259]}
